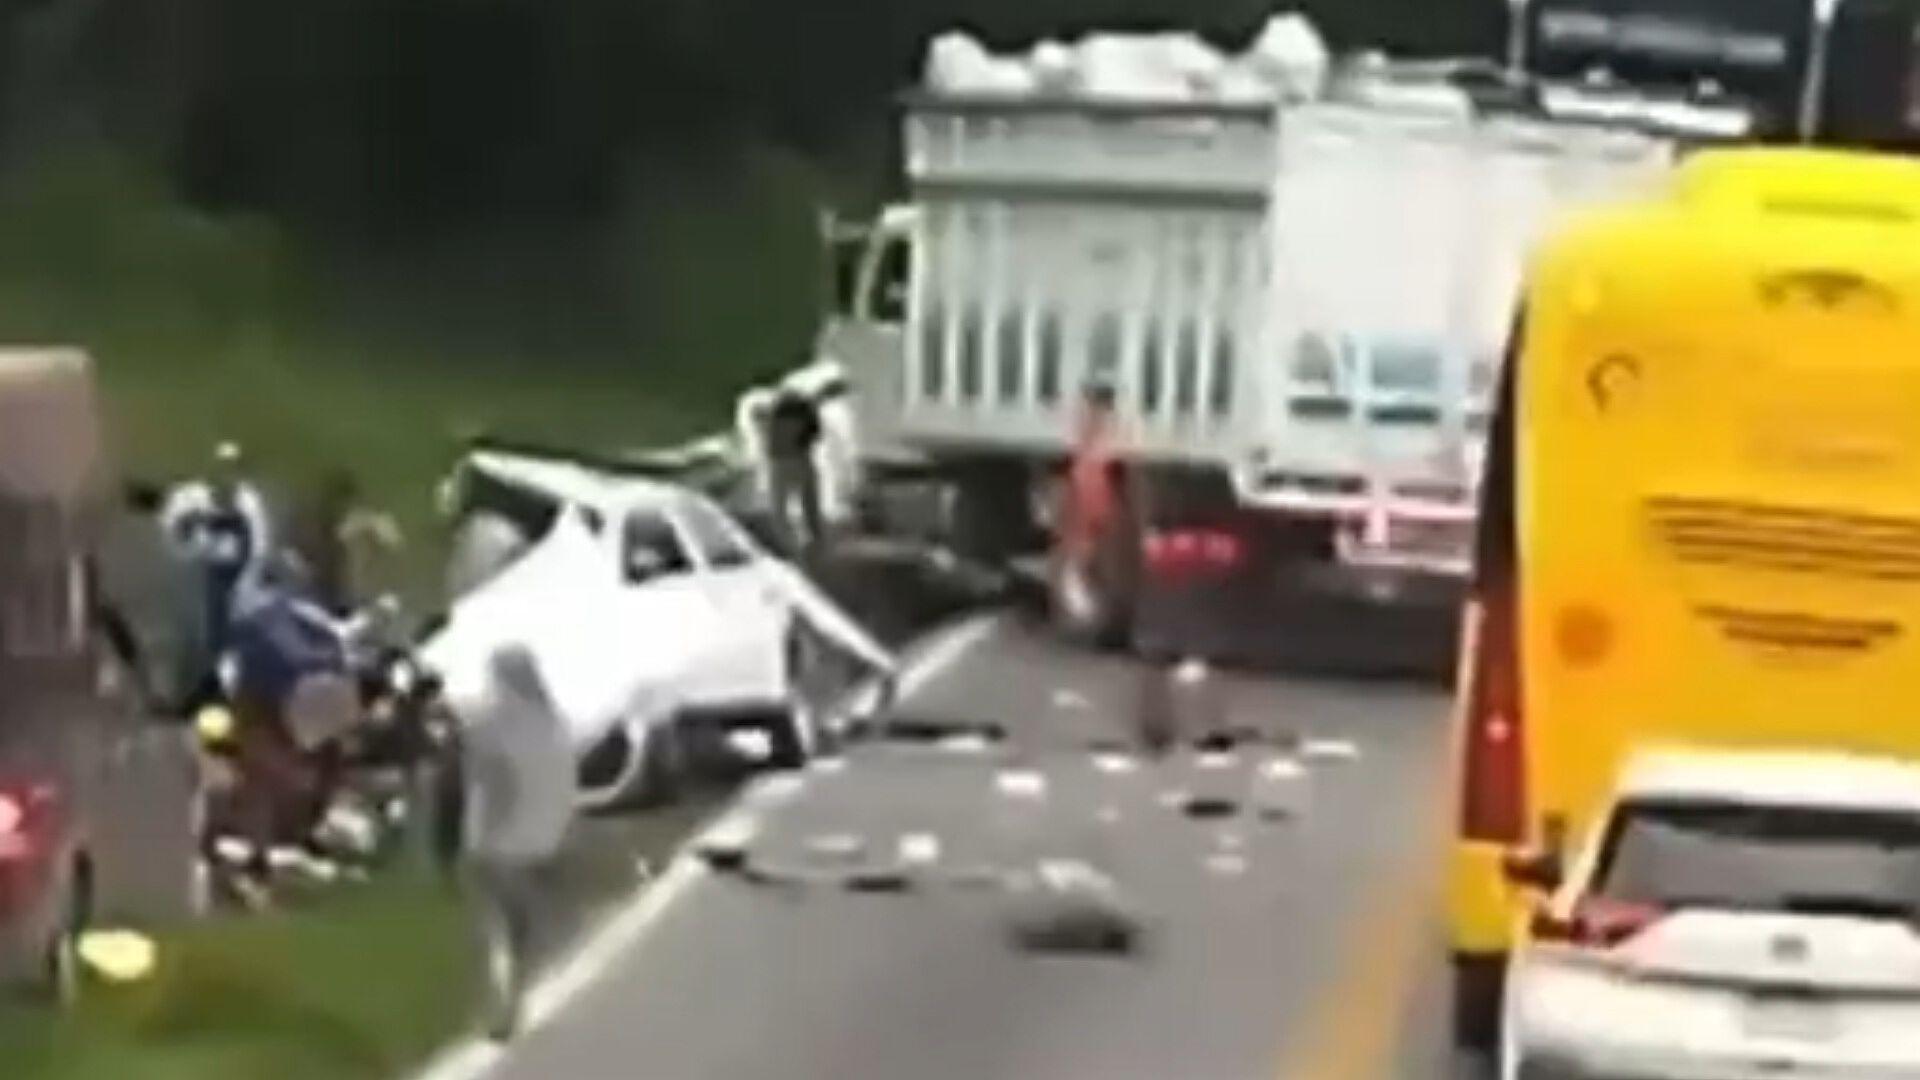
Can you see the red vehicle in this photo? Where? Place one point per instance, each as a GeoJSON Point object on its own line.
{"type": "Point", "coordinates": [96, 800]}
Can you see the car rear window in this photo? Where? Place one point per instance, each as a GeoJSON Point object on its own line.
{"type": "Point", "coordinates": [1771, 858]}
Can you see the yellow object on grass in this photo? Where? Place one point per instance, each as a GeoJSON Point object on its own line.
{"type": "Point", "coordinates": [118, 956]}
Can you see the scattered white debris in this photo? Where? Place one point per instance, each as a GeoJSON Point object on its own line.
{"type": "Point", "coordinates": [837, 846]}
{"type": "Point", "coordinates": [1115, 763]}
{"type": "Point", "coordinates": [1227, 863]}
{"type": "Point", "coordinates": [966, 743]}
{"type": "Point", "coordinates": [1329, 750]}
{"type": "Point", "coordinates": [829, 764]}
{"type": "Point", "coordinates": [1191, 671]}
{"type": "Point", "coordinates": [919, 849]}
{"type": "Point", "coordinates": [1021, 783]}
{"type": "Point", "coordinates": [1216, 761]}
{"type": "Point", "coordinates": [1066, 874]}
{"type": "Point", "coordinates": [1174, 798]}
{"type": "Point", "coordinates": [232, 849]}
{"type": "Point", "coordinates": [1228, 840]}
{"type": "Point", "coordinates": [1067, 699]}
{"type": "Point", "coordinates": [1283, 769]}
{"type": "Point", "coordinates": [750, 744]}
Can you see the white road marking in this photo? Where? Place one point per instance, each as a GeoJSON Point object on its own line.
{"type": "Point", "coordinates": [473, 1058]}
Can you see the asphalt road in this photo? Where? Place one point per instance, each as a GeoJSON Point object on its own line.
{"type": "Point", "coordinates": [1295, 936]}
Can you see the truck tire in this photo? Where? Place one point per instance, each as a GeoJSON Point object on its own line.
{"type": "Point", "coordinates": [992, 512]}
{"type": "Point", "coordinates": [1479, 990]}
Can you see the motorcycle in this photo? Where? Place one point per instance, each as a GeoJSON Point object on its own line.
{"type": "Point", "coordinates": [349, 762]}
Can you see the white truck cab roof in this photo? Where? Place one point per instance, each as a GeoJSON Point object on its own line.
{"type": "Point", "coordinates": [1784, 777]}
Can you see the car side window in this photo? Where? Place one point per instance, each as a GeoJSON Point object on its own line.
{"type": "Point", "coordinates": [715, 536]}
{"type": "Point", "coordinates": [650, 549]}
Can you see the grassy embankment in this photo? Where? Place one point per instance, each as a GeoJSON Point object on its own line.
{"type": "Point", "coordinates": [630, 332]}
{"type": "Point", "coordinates": [633, 333]}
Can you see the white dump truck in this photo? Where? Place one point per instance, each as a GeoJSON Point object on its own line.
{"type": "Point", "coordinates": [1294, 282]}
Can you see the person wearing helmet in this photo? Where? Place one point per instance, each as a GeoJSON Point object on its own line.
{"type": "Point", "coordinates": [221, 525]}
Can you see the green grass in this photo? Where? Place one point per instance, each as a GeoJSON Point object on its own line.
{"type": "Point", "coordinates": [629, 332]}
{"type": "Point", "coordinates": [626, 333]}
{"type": "Point", "coordinates": [365, 986]}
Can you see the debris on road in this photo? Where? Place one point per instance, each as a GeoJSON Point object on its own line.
{"type": "Point", "coordinates": [879, 880]}
{"type": "Point", "coordinates": [919, 849]}
{"type": "Point", "coordinates": [1068, 700]}
{"type": "Point", "coordinates": [1227, 863]}
{"type": "Point", "coordinates": [828, 764]}
{"type": "Point", "coordinates": [914, 730]}
{"type": "Point", "coordinates": [1074, 907]}
{"type": "Point", "coordinates": [1115, 763]}
{"type": "Point", "coordinates": [1329, 750]}
{"type": "Point", "coordinates": [1282, 769]}
{"type": "Point", "coordinates": [1209, 807]}
{"type": "Point", "coordinates": [837, 847]}
{"type": "Point", "coordinates": [1021, 783]}
{"type": "Point", "coordinates": [969, 743]}
{"type": "Point", "coordinates": [1214, 762]}
{"type": "Point", "coordinates": [1108, 815]}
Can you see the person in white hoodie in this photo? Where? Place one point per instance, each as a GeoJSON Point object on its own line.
{"type": "Point", "coordinates": [518, 798]}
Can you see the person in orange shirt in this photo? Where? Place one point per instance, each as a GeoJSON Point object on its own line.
{"type": "Point", "coordinates": [1087, 579]}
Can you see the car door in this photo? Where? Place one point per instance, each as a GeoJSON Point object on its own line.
{"type": "Point", "coordinates": [668, 609]}
{"type": "Point", "coordinates": [750, 659]}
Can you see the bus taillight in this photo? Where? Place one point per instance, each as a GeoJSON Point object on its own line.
{"type": "Point", "coordinates": [1493, 780]}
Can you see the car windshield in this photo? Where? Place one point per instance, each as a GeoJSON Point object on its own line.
{"type": "Point", "coordinates": [1771, 858]}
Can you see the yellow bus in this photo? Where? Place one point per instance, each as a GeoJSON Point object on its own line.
{"type": "Point", "coordinates": [1701, 508]}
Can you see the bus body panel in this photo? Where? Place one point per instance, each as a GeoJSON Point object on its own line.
{"type": "Point", "coordinates": [1718, 483]}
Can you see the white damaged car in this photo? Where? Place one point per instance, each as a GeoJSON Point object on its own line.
{"type": "Point", "coordinates": [646, 607]}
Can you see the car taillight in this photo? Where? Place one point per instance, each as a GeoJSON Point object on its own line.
{"type": "Point", "coordinates": [1596, 923]}
{"type": "Point", "coordinates": [15, 842]}
{"type": "Point", "coordinates": [1493, 782]}
{"type": "Point", "coordinates": [1183, 551]}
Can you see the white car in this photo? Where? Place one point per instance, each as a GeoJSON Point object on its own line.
{"type": "Point", "coordinates": [644, 605]}
{"type": "Point", "coordinates": [1735, 916]}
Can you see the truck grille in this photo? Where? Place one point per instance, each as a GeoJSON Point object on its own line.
{"type": "Point", "coordinates": [1805, 540]}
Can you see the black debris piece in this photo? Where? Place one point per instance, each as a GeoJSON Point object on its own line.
{"type": "Point", "coordinates": [1209, 807]}
{"type": "Point", "coordinates": [919, 730]}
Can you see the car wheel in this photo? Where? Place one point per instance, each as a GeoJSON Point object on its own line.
{"type": "Point", "coordinates": [662, 772]}
{"type": "Point", "coordinates": [792, 737]}
{"type": "Point", "coordinates": [1479, 984]}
